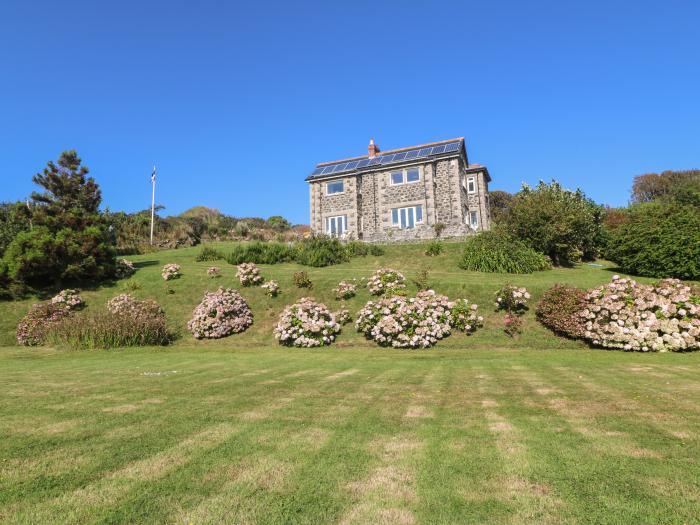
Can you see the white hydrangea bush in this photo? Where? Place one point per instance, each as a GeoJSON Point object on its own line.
{"type": "Point", "coordinates": [512, 298]}
{"type": "Point", "coordinates": [221, 313]}
{"type": "Point", "coordinates": [124, 269]}
{"type": "Point", "coordinates": [345, 290]}
{"type": "Point", "coordinates": [171, 271]}
{"type": "Point", "coordinates": [213, 272]}
{"type": "Point", "coordinates": [272, 288]}
{"type": "Point", "coordinates": [386, 281]}
{"type": "Point", "coordinates": [126, 304]}
{"type": "Point", "coordinates": [249, 274]}
{"type": "Point", "coordinates": [343, 316]}
{"type": "Point", "coordinates": [68, 298]}
{"type": "Point", "coordinates": [307, 324]}
{"type": "Point", "coordinates": [416, 322]}
{"type": "Point", "coordinates": [627, 315]}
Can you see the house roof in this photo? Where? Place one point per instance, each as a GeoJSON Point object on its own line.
{"type": "Point", "coordinates": [443, 148]}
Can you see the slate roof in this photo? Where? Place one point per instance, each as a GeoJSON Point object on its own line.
{"type": "Point", "coordinates": [443, 148]}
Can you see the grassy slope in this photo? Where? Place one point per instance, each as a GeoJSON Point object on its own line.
{"type": "Point", "coordinates": [480, 429]}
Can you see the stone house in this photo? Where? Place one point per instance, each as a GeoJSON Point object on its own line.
{"type": "Point", "coordinates": [401, 194]}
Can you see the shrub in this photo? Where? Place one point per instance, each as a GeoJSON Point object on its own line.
{"type": "Point", "coordinates": [260, 253]}
{"type": "Point", "coordinates": [34, 327]}
{"type": "Point", "coordinates": [434, 248]}
{"type": "Point", "coordinates": [559, 310]}
{"type": "Point", "coordinates": [249, 274]}
{"type": "Point", "coordinates": [512, 324]}
{"type": "Point", "coordinates": [320, 251]}
{"type": "Point", "coordinates": [465, 317]}
{"type": "Point", "coordinates": [69, 299]}
{"type": "Point", "coordinates": [386, 281]}
{"type": "Point", "coordinates": [658, 240]}
{"type": "Point", "coordinates": [301, 280]}
{"type": "Point", "coordinates": [207, 253]}
{"type": "Point", "coordinates": [512, 299]}
{"type": "Point", "coordinates": [124, 269]}
{"type": "Point", "coordinates": [171, 271]}
{"type": "Point", "coordinates": [342, 316]}
{"type": "Point", "coordinates": [272, 288]}
{"type": "Point", "coordinates": [362, 249]}
{"type": "Point", "coordinates": [214, 271]}
{"type": "Point", "coordinates": [401, 322]}
{"type": "Point", "coordinates": [345, 290]}
{"type": "Point", "coordinates": [125, 304]}
{"type": "Point", "coordinates": [421, 279]}
{"type": "Point", "coordinates": [639, 317]}
{"type": "Point", "coordinates": [496, 252]}
{"type": "Point", "coordinates": [306, 324]}
{"type": "Point", "coordinates": [220, 314]}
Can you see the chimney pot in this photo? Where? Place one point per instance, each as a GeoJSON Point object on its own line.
{"type": "Point", "coordinates": [372, 149]}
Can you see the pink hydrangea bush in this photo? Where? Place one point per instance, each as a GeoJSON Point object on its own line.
{"type": "Point", "coordinates": [465, 316]}
{"type": "Point", "coordinates": [306, 324]}
{"type": "Point", "coordinates": [214, 271]}
{"type": "Point", "coordinates": [401, 322]}
{"type": "Point", "coordinates": [343, 316]}
{"type": "Point", "coordinates": [171, 271]}
{"type": "Point", "coordinates": [126, 304]}
{"type": "Point", "coordinates": [249, 274]}
{"type": "Point", "coordinates": [124, 269]}
{"type": "Point", "coordinates": [220, 314]}
{"type": "Point", "coordinates": [387, 282]}
{"type": "Point", "coordinates": [512, 299]}
{"type": "Point", "coordinates": [627, 315]}
{"type": "Point", "coordinates": [69, 299]}
{"type": "Point", "coordinates": [272, 288]}
{"type": "Point", "coordinates": [345, 290]}
{"type": "Point", "coordinates": [35, 326]}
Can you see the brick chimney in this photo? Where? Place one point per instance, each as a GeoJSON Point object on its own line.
{"type": "Point", "coordinates": [372, 149]}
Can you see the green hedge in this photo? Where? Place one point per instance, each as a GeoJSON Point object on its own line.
{"type": "Point", "coordinates": [495, 252]}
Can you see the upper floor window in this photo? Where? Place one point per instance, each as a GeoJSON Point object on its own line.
{"type": "Point", "coordinates": [404, 176]}
{"type": "Point", "coordinates": [407, 217]}
{"type": "Point", "coordinates": [336, 186]}
{"type": "Point", "coordinates": [471, 185]}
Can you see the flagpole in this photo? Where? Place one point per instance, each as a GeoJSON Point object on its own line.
{"type": "Point", "coordinates": [153, 200]}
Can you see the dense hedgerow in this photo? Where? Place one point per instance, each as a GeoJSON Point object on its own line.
{"type": "Point", "coordinates": [363, 249]}
{"type": "Point", "coordinates": [307, 324]}
{"type": "Point", "coordinates": [34, 327]}
{"type": "Point", "coordinates": [320, 251]}
{"type": "Point", "coordinates": [495, 252]}
{"type": "Point", "coordinates": [260, 253]}
{"type": "Point", "coordinates": [559, 310]}
{"type": "Point", "coordinates": [220, 314]}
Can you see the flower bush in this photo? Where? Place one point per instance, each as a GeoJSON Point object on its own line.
{"type": "Point", "coordinates": [272, 288]}
{"type": "Point", "coordinates": [126, 304]}
{"type": "Point", "coordinates": [343, 316]}
{"type": "Point", "coordinates": [35, 326]}
{"type": "Point", "coordinates": [306, 324]}
{"type": "Point", "coordinates": [220, 314]}
{"type": "Point", "coordinates": [631, 316]}
{"type": "Point", "coordinates": [171, 271]}
{"type": "Point", "coordinates": [512, 324]}
{"type": "Point", "coordinates": [249, 274]}
{"type": "Point", "coordinates": [345, 290]}
{"type": "Point", "coordinates": [417, 322]}
{"type": "Point", "coordinates": [559, 310]}
{"type": "Point", "coordinates": [512, 299]}
{"type": "Point", "coordinates": [124, 269]}
{"type": "Point", "coordinates": [68, 298]}
{"type": "Point", "coordinates": [386, 281]}
{"type": "Point", "coordinates": [214, 271]}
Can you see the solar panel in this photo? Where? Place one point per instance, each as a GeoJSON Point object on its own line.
{"type": "Point", "coordinates": [351, 165]}
{"type": "Point", "coordinates": [424, 152]}
{"type": "Point", "coordinates": [438, 149]}
{"type": "Point", "coordinates": [386, 159]}
{"type": "Point", "coordinates": [327, 169]}
{"type": "Point", "coordinates": [362, 163]}
{"type": "Point", "coordinates": [453, 146]}
{"type": "Point", "coordinates": [374, 161]}
{"type": "Point", "coordinates": [317, 171]}
{"type": "Point", "coordinates": [411, 154]}
{"type": "Point", "coordinates": [399, 156]}
{"type": "Point", "coordinates": [340, 167]}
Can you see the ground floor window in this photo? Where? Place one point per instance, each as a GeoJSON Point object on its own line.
{"type": "Point", "coordinates": [336, 226]}
{"type": "Point", "coordinates": [473, 220]}
{"type": "Point", "coordinates": [407, 217]}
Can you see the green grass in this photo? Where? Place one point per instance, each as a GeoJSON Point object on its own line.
{"type": "Point", "coordinates": [480, 429]}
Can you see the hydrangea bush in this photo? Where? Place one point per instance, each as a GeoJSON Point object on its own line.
{"type": "Point", "coordinates": [68, 298]}
{"type": "Point", "coordinates": [249, 274]}
{"type": "Point", "coordinates": [214, 271]}
{"type": "Point", "coordinates": [627, 315]}
{"type": "Point", "coordinates": [272, 288]}
{"type": "Point", "coordinates": [417, 322]}
{"type": "Point", "coordinates": [220, 314]}
{"type": "Point", "coordinates": [171, 271]}
{"type": "Point", "coordinates": [124, 269]}
{"type": "Point", "coordinates": [386, 281]}
{"type": "Point", "coordinates": [306, 324]}
{"type": "Point", "coordinates": [343, 316]}
{"type": "Point", "coordinates": [512, 299]}
{"type": "Point", "coordinates": [345, 290]}
{"type": "Point", "coordinates": [126, 304]}
{"type": "Point", "coordinates": [34, 327]}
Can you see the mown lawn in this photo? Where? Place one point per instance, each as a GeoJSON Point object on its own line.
{"type": "Point", "coordinates": [480, 429]}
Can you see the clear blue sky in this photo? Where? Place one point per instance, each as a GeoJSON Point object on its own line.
{"type": "Point", "coordinates": [236, 101]}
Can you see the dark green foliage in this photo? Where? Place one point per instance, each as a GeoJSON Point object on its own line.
{"type": "Point", "coordinates": [260, 253]}
{"type": "Point", "coordinates": [434, 248]}
{"type": "Point", "coordinates": [658, 240]}
{"type": "Point", "coordinates": [15, 217]}
{"type": "Point", "coordinates": [496, 252]}
{"type": "Point", "coordinates": [301, 280]}
{"type": "Point", "coordinates": [363, 249]}
{"type": "Point", "coordinates": [320, 251]}
{"type": "Point", "coordinates": [559, 310]}
{"type": "Point", "coordinates": [421, 279]}
{"type": "Point", "coordinates": [279, 223]}
{"type": "Point", "coordinates": [559, 223]}
{"type": "Point", "coordinates": [207, 253]}
{"type": "Point", "coordinates": [499, 205]}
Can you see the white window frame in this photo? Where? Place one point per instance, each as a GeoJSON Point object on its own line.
{"type": "Point", "coordinates": [473, 224]}
{"type": "Point", "coordinates": [341, 181]}
{"type": "Point", "coordinates": [407, 210]}
{"type": "Point", "coordinates": [338, 219]}
{"type": "Point", "coordinates": [404, 176]}
{"type": "Point", "coordinates": [471, 185]}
